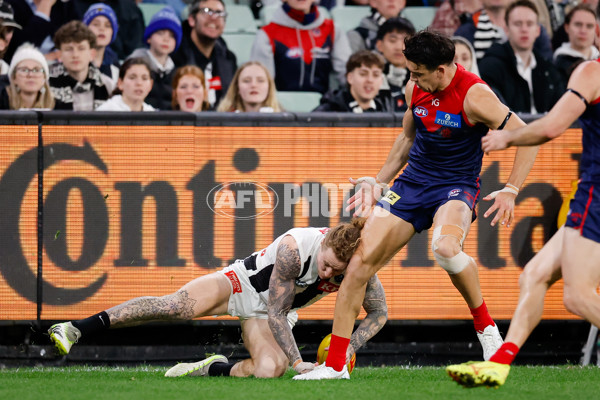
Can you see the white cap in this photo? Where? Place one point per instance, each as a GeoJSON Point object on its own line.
{"type": "Point", "coordinates": [27, 51]}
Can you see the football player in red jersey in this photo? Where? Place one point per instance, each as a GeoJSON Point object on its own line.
{"type": "Point", "coordinates": [450, 110]}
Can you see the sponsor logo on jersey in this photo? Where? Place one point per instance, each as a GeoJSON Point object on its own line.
{"type": "Point", "coordinates": [329, 287]}
{"type": "Point", "coordinates": [235, 282]}
{"type": "Point", "coordinates": [447, 119]}
{"type": "Point", "coordinates": [294, 52]}
{"type": "Point", "coordinates": [390, 197]}
{"type": "Point", "coordinates": [454, 192]}
{"type": "Point", "coordinates": [421, 112]}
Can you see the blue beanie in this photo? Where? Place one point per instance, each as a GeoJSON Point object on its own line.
{"type": "Point", "coordinates": [105, 10]}
{"type": "Point", "coordinates": [165, 19]}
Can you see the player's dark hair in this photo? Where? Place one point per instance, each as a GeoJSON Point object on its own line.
{"type": "Point", "coordinates": [74, 32]}
{"type": "Point", "coordinates": [521, 3]}
{"type": "Point", "coordinates": [430, 49]}
{"type": "Point", "coordinates": [398, 24]}
{"type": "Point", "coordinates": [344, 239]}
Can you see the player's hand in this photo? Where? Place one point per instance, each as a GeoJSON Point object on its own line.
{"type": "Point", "coordinates": [304, 367]}
{"type": "Point", "coordinates": [504, 206]}
{"type": "Point", "coordinates": [349, 353]}
{"type": "Point", "coordinates": [494, 140]}
{"type": "Point", "coordinates": [367, 195]}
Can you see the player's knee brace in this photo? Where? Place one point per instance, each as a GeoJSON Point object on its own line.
{"type": "Point", "coordinates": [453, 265]}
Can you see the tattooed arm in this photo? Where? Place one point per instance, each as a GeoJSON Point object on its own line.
{"type": "Point", "coordinates": [282, 289]}
{"type": "Point", "coordinates": [376, 308]}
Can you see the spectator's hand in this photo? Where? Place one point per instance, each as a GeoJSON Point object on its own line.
{"type": "Point", "coordinates": [494, 140]}
{"type": "Point", "coordinates": [304, 367]}
{"type": "Point", "coordinates": [368, 193]}
{"type": "Point", "coordinates": [504, 204]}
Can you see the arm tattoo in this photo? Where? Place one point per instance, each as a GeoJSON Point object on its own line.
{"type": "Point", "coordinates": [282, 290]}
{"type": "Point", "coordinates": [376, 308]}
{"type": "Point", "coordinates": [179, 305]}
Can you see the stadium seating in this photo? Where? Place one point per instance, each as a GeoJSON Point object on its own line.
{"type": "Point", "coordinates": [149, 9]}
{"type": "Point", "coordinates": [240, 43]}
{"type": "Point", "coordinates": [348, 18]}
{"type": "Point", "coordinates": [239, 19]}
{"type": "Point", "coordinates": [421, 17]}
{"type": "Point", "coordinates": [299, 101]}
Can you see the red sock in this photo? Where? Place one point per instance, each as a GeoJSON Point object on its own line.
{"type": "Point", "coordinates": [506, 353]}
{"type": "Point", "coordinates": [336, 358]}
{"type": "Point", "coordinates": [481, 317]}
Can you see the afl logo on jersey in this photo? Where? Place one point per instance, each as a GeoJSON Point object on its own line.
{"type": "Point", "coordinates": [421, 112]}
{"type": "Point", "coordinates": [454, 192]}
{"type": "Point", "coordinates": [294, 52]}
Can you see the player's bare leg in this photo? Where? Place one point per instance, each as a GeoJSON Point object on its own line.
{"type": "Point", "coordinates": [382, 237]}
{"type": "Point", "coordinates": [207, 295]}
{"type": "Point", "coordinates": [539, 274]}
{"type": "Point", "coordinates": [581, 274]}
{"type": "Point", "coordinates": [267, 359]}
{"type": "Point", "coordinates": [451, 225]}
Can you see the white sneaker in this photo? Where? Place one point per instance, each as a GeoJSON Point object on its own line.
{"type": "Point", "coordinates": [323, 372]}
{"type": "Point", "coordinates": [490, 341]}
{"type": "Point", "coordinates": [64, 336]}
{"type": "Point", "coordinates": [199, 368]}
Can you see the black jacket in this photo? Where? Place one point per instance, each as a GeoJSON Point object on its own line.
{"type": "Point", "coordinates": [499, 70]}
{"type": "Point", "coordinates": [36, 29]}
{"type": "Point", "coordinates": [341, 100]}
{"type": "Point", "coordinates": [131, 23]}
{"type": "Point", "coordinates": [224, 63]}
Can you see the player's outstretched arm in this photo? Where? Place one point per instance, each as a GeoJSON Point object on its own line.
{"type": "Point", "coordinates": [584, 88]}
{"type": "Point", "coordinates": [376, 308]}
{"type": "Point", "coordinates": [281, 297]}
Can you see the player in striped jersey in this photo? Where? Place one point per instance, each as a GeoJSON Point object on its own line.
{"type": "Point", "coordinates": [264, 291]}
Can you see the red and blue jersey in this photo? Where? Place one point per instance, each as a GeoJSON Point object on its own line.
{"type": "Point", "coordinates": [590, 127]}
{"type": "Point", "coordinates": [447, 148]}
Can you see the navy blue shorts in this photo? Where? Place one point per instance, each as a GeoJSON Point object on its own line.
{"type": "Point", "coordinates": [584, 212]}
{"type": "Point", "coordinates": [417, 203]}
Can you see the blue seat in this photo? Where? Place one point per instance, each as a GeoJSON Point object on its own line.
{"type": "Point", "coordinates": [240, 43]}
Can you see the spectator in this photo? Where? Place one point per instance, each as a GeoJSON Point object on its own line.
{"type": "Point", "coordinates": [189, 90]}
{"type": "Point", "coordinates": [301, 48]}
{"type": "Point", "coordinates": [252, 90]}
{"type": "Point", "coordinates": [102, 20]}
{"type": "Point", "coordinates": [76, 83]}
{"type": "Point", "coordinates": [365, 35]}
{"type": "Point", "coordinates": [452, 13]}
{"type": "Point", "coordinates": [464, 54]}
{"type": "Point", "coordinates": [7, 29]}
{"type": "Point", "coordinates": [133, 86]}
{"type": "Point", "coordinates": [40, 20]}
{"type": "Point", "coordinates": [28, 76]}
{"type": "Point", "coordinates": [390, 43]}
{"type": "Point", "coordinates": [163, 36]}
{"type": "Point", "coordinates": [130, 21]}
{"type": "Point", "coordinates": [523, 80]}
{"type": "Point", "coordinates": [488, 26]}
{"type": "Point", "coordinates": [203, 46]}
{"type": "Point", "coordinates": [364, 76]}
{"type": "Point", "coordinates": [580, 25]}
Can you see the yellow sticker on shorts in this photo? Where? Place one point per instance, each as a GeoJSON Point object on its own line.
{"type": "Point", "coordinates": [390, 197]}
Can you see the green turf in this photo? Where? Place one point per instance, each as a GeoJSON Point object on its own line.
{"type": "Point", "coordinates": [148, 383]}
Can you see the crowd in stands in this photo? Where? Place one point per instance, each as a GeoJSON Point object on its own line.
{"type": "Point", "coordinates": [86, 55]}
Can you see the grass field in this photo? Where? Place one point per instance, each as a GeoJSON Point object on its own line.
{"type": "Point", "coordinates": [147, 382]}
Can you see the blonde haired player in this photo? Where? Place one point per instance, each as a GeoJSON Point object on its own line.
{"type": "Point", "coordinates": [263, 290]}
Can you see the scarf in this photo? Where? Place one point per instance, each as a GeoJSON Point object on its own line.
{"type": "Point", "coordinates": [63, 85]}
{"type": "Point", "coordinates": [299, 16]}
